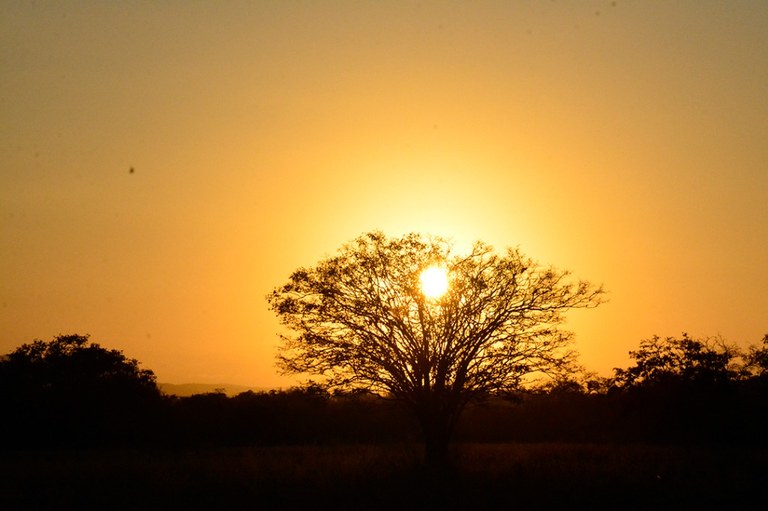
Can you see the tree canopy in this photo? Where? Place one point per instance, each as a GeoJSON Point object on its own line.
{"type": "Point", "coordinates": [73, 391]}
{"type": "Point", "coordinates": [362, 319]}
{"type": "Point", "coordinates": [685, 360]}
{"type": "Point", "coordinates": [72, 363]}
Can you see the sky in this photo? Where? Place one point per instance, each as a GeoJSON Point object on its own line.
{"type": "Point", "coordinates": [165, 165]}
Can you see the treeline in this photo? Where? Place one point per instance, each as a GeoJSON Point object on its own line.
{"type": "Point", "coordinates": [70, 392]}
{"type": "Point", "coordinates": [679, 390]}
{"type": "Point", "coordinates": [650, 415]}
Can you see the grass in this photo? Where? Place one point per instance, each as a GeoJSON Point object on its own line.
{"type": "Point", "coordinates": [481, 476]}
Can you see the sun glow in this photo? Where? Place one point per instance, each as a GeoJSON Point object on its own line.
{"type": "Point", "coordinates": [434, 282]}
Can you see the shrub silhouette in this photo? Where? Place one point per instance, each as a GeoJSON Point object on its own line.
{"type": "Point", "coordinates": [691, 390]}
{"type": "Point", "coordinates": [72, 391]}
{"type": "Point", "coordinates": [680, 361]}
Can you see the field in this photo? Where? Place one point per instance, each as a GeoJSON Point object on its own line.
{"type": "Point", "coordinates": [383, 476]}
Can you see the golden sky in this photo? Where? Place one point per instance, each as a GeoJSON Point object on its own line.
{"type": "Point", "coordinates": [626, 141]}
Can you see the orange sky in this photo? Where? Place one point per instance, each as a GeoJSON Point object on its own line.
{"type": "Point", "coordinates": [625, 141]}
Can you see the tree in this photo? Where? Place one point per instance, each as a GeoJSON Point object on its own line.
{"type": "Point", "coordinates": [680, 361]}
{"type": "Point", "coordinates": [365, 319]}
{"type": "Point", "coordinates": [73, 362]}
{"type": "Point", "coordinates": [756, 363]}
{"type": "Point", "coordinates": [683, 390]}
{"type": "Point", "coordinates": [81, 389]}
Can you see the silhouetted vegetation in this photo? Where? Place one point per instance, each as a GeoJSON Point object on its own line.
{"type": "Point", "coordinates": [692, 390]}
{"type": "Point", "coordinates": [684, 425]}
{"type": "Point", "coordinates": [299, 416]}
{"type": "Point", "coordinates": [70, 391]}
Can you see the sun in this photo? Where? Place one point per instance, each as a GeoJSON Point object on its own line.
{"type": "Point", "coordinates": [434, 282]}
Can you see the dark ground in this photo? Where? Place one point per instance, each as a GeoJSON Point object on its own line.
{"type": "Point", "coordinates": [388, 476]}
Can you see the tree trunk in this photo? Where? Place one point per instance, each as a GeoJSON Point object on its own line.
{"type": "Point", "coordinates": [436, 443]}
{"type": "Point", "coordinates": [437, 425]}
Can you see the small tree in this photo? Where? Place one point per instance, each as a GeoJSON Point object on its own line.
{"type": "Point", "coordinates": [378, 316]}
{"type": "Point", "coordinates": [73, 363]}
{"type": "Point", "coordinates": [73, 390]}
{"type": "Point", "coordinates": [685, 360]}
{"type": "Point", "coordinates": [756, 363]}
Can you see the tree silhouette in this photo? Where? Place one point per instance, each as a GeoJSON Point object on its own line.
{"type": "Point", "coordinates": [360, 320]}
{"type": "Point", "coordinates": [756, 363]}
{"type": "Point", "coordinates": [691, 361]}
{"type": "Point", "coordinates": [685, 390]}
{"type": "Point", "coordinates": [88, 393]}
{"type": "Point", "coordinates": [73, 362]}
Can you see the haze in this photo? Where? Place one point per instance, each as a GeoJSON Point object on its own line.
{"type": "Point", "coordinates": [164, 166]}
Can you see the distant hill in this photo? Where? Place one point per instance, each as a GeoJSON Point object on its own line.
{"type": "Point", "coordinates": [189, 389]}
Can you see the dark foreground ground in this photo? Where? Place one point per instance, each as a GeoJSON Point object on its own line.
{"type": "Point", "coordinates": [482, 476]}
